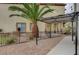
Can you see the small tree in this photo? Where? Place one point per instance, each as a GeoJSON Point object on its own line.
{"type": "Point", "coordinates": [33, 12]}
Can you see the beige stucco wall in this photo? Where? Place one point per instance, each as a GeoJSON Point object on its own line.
{"type": "Point", "coordinates": [9, 24]}
{"type": "Point", "coordinates": [57, 11]}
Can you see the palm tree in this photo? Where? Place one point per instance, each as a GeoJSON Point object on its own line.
{"type": "Point", "coordinates": [33, 12]}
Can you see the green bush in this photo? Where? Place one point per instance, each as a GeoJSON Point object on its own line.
{"type": "Point", "coordinates": [10, 41]}
{"type": "Point", "coordinates": [67, 28]}
{"type": "Point", "coordinates": [7, 40]}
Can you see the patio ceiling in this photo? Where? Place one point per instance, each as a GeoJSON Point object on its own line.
{"type": "Point", "coordinates": [59, 18]}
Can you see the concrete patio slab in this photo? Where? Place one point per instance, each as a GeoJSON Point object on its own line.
{"type": "Point", "coordinates": [65, 47]}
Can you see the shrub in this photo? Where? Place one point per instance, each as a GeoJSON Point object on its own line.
{"type": "Point", "coordinates": [10, 41]}
{"type": "Point", "coordinates": [67, 28]}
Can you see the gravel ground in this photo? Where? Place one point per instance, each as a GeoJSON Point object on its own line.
{"type": "Point", "coordinates": [30, 48]}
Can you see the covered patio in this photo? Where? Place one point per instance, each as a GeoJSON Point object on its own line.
{"type": "Point", "coordinates": [73, 18]}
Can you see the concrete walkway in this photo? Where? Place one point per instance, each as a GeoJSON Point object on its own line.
{"type": "Point", "coordinates": [65, 47]}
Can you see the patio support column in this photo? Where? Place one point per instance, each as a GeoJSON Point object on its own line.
{"type": "Point", "coordinates": [50, 30]}
{"type": "Point", "coordinates": [76, 35]}
{"type": "Point", "coordinates": [72, 30]}
{"type": "Point", "coordinates": [54, 27]}
{"type": "Point", "coordinates": [63, 27]}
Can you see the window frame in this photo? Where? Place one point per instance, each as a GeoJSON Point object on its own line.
{"type": "Point", "coordinates": [20, 23]}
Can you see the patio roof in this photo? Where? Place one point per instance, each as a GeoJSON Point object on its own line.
{"type": "Point", "coordinates": [73, 17]}
{"type": "Point", "coordinates": [59, 18]}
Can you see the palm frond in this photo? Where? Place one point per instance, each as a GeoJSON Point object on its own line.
{"type": "Point", "coordinates": [16, 8]}
{"type": "Point", "coordinates": [31, 11]}
{"type": "Point", "coordinates": [45, 12]}
{"type": "Point", "coordinates": [22, 15]}
{"type": "Point", "coordinates": [41, 10]}
{"type": "Point", "coordinates": [27, 6]}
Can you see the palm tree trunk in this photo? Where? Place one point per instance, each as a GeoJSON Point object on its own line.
{"type": "Point", "coordinates": [35, 31]}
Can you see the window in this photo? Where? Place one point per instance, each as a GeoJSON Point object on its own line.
{"type": "Point", "coordinates": [21, 27]}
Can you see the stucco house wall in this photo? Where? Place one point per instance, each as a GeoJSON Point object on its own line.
{"type": "Point", "coordinates": [9, 24]}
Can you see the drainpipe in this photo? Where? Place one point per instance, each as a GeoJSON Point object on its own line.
{"type": "Point", "coordinates": [72, 29]}
{"type": "Point", "coordinates": [73, 22]}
